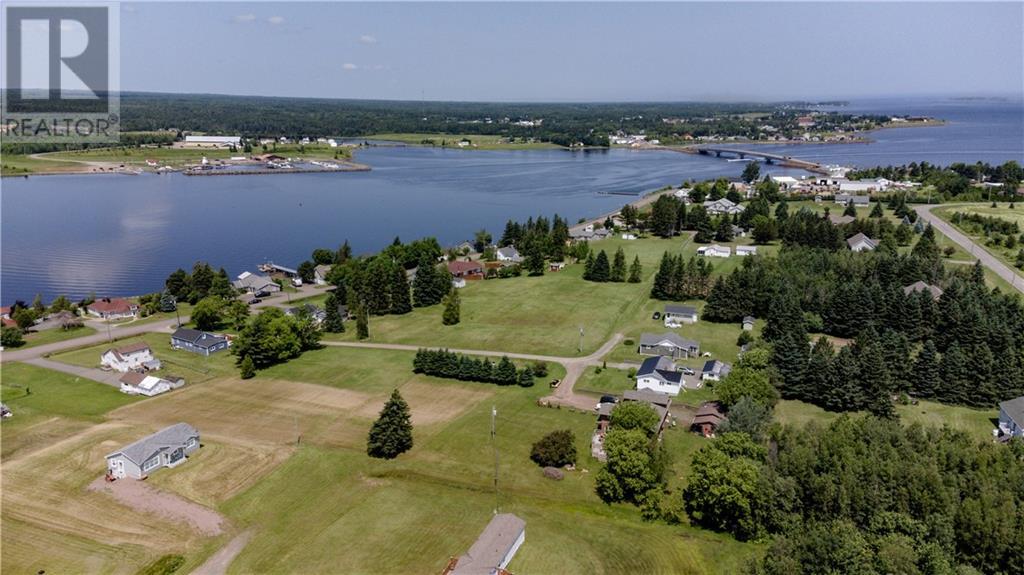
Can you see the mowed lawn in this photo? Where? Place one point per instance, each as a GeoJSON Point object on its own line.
{"type": "Point", "coordinates": [34, 338]}
{"type": "Point", "coordinates": [49, 405]}
{"type": "Point", "coordinates": [979, 423]}
{"type": "Point", "coordinates": [1003, 212]}
{"type": "Point", "coordinates": [544, 314]}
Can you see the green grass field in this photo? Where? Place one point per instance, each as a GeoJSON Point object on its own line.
{"type": "Point", "coordinates": [977, 422]}
{"type": "Point", "coordinates": [44, 337]}
{"type": "Point", "coordinates": [49, 404]}
{"type": "Point", "coordinates": [479, 142]}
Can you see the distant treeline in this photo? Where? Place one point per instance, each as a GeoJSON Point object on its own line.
{"type": "Point", "coordinates": [954, 180]}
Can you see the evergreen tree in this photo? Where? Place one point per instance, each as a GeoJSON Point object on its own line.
{"type": "Point", "coordinates": [618, 272]}
{"type": "Point", "coordinates": [724, 233]}
{"type": "Point", "coordinates": [877, 381]}
{"type": "Point", "coordinates": [662, 288]}
{"type": "Point", "coordinates": [247, 369]}
{"type": "Point", "coordinates": [956, 376]}
{"type": "Point", "coordinates": [362, 321]}
{"type": "Point", "coordinates": [451, 308]}
{"type": "Point", "coordinates": [664, 214]}
{"type": "Point", "coordinates": [505, 373]}
{"type": "Point", "coordinates": [588, 267]}
{"type": "Point", "coordinates": [847, 394]}
{"type": "Point", "coordinates": [819, 378]}
{"type": "Point", "coordinates": [600, 272]}
{"type": "Point", "coordinates": [525, 378]}
{"type": "Point", "coordinates": [533, 261]}
{"type": "Point", "coordinates": [850, 210]}
{"type": "Point", "coordinates": [876, 211]}
{"type": "Point", "coordinates": [391, 434]}
{"type": "Point", "coordinates": [635, 271]}
{"type": "Point", "coordinates": [782, 210]}
{"type": "Point", "coordinates": [333, 322]}
{"type": "Point", "coordinates": [400, 302]}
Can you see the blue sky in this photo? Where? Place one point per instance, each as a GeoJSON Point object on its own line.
{"type": "Point", "coordinates": [574, 51]}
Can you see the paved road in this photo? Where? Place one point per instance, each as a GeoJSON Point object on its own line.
{"type": "Point", "coordinates": [116, 331]}
{"type": "Point", "coordinates": [108, 377]}
{"type": "Point", "coordinates": [987, 259]}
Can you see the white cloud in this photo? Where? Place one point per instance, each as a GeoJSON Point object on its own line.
{"type": "Point", "coordinates": [367, 39]}
{"type": "Point", "coordinates": [275, 20]}
{"type": "Point", "coordinates": [348, 66]}
{"type": "Point", "coordinates": [243, 18]}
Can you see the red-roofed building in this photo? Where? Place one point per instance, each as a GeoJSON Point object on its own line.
{"type": "Point", "coordinates": [113, 308]}
{"type": "Point", "coordinates": [5, 312]}
{"type": "Point", "coordinates": [468, 270]}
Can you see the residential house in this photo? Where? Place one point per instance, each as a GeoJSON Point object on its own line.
{"type": "Point", "coordinates": [659, 374]}
{"type": "Point", "coordinates": [785, 183]}
{"type": "Point", "coordinates": [197, 341]}
{"type": "Point", "coordinates": [844, 199]}
{"type": "Point", "coordinates": [460, 269]}
{"type": "Point", "coordinates": [1011, 418]}
{"type": "Point", "coordinates": [130, 357]}
{"type": "Point", "coordinates": [860, 243]}
{"type": "Point", "coordinates": [493, 550]}
{"type": "Point", "coordinates": [746, 250]}
{"type": "Point", "coordinates": [168, 447]}
{"type": "Point", "coordinates": [315, 313]}
{"type": "Point", "coordinates": [680, 313]}
{"type": "Point", "coordinates": [920, 286]}
{"type": "Point", "coordinates": [738, 232]}
{"type": "Point", "coordinates": [708, 418]}
{"type": "Point", "coordinates": [722, 206]}
{"type": "Point", "coordinates": [113, 308]}
{"type": "Point", "coordinates": [860, 186]}
{"type": "Point", "coordinates": [5, 312]}
{"type": "Point", "coordinates": [135, 383]}
{"type": "Point", "coordinates": [748, 323]}
{"type": "Point", "coordinates": [660, 402]}
{"type": "Point", "coordinates": [714, 251]}
{"type": "Point", "coordinates": [509, 254]}
{"type": "Point", "coordinates": [668, 345]}
{"type": "Point", "coordinates": [255, 283]}
{"type": "Point", "coordinates": [320, 274]}
{"type": "Point", "coordinates": [715, 370]}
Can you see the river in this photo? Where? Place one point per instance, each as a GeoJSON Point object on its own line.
{"type": "Point", "coordinates": [122, 235]}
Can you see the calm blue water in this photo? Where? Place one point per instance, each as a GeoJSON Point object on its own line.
{"type": "Point", "coordinates": [122, 235]}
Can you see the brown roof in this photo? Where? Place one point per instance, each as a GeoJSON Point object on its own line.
{"type": "Point", "coordinates": [462, 268]}
{"type": "Point", "coordinates": [132, 378]}
{"type": "Point", "coordinates": [108, 305]}
{"type": "Point", "coordinates": [709, 412]}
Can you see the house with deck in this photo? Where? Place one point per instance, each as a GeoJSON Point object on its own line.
{"type": "Point", "coordinates": [659, 374]}
{"type": "Point", "coordinates": [133, 357]}
{"type": "Point", "coordinates": [195, 341]}
{"type": "Point", "coordinates": [493, 550]}
{"type": "Point", "coordinates": [1011, 418]}
{"type": "Point", "coordinates": [168, 447]}
{"type": "Point", "coordinates": [668, 345]}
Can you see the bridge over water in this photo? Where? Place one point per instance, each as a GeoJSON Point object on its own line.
{"type": "Point", "coordinates": [768, 157]}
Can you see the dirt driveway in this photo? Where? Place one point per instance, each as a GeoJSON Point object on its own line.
{"type": "Point", "coordinates": [141, 497]}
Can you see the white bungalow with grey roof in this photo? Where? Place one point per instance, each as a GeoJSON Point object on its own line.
{"type": "Point", "coordinates": [659, 374]}
{"type": "Point", "coordinates": [130, 357]}
{"type": "Point", "coordinates": [715, 370]}
{"type": "Point", "coordinates": [1011, 418]}
{"type": "Point", "coordinates": [746, 250]}
{"type": "Point", "coordinates": [509, 254]}
{"type": "Point", "coordinates": [680, 313]}
{"type": "Point", "coordinates": [748, 323]}
{"type": "Point", "coordinates": [668, 345]}
{"type": "Point", "coordinates": [135, 383]}
{"type": "Point", "coordinates": [714, 251]}
{"type": "Point", "coordinates": [197, 341]}
{"type": "Point", "coordinates": [494, 549]}
{"type": "Point", "coordinates": [320, 273]}
{"type": "Point", "coordinates": [857, 200]}
{"type": "Point", "coordinates": [165, 448]}
{"type": "Point", "coordinates": [861, 243]}
{"type": "Point", "coordinates": [255, 283]}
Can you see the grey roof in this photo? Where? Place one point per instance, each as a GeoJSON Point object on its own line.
{"type": "Point", "coordinates": [173, 436]}
{"type": "Point", "coordinates": [1015, 409]}
{"type": "Point", "coordinates": [494, 543]}
{"type": "Point", "coordinates": [662, 367]}
{"type": "Point", "coordinates": [677, 341]}
{"type": "Point", "coordinates": [919, 286]}
{"type": "Point", "coordinates": [860, 237]}
{"type": "Point", "coordinates": [652, 397]}
{"type": "Point", "coordinates": [248, 280]}
{"type": "Point", "coordinates": [508, 252]}
{"type": "Point", "coordinates": [680, 309]}
{"type": "Point", "coordinates": [322, 270]}
{"type": "Point", "coordinates": [715, 367]}
{"type": "Point", "coordinates": [840, 220]}
{"type": "Point", "coordinates": [197, 338]}
{"type": "Point", "coordinates": [748, 319]}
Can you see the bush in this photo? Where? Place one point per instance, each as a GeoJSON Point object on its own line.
{"type": "Point", "coordinates": [10, 337]}
{"type": "Point", "coordinates": [744, 338]}
{"type": "Point", "coordinates": [539, 368]}
{"type": "Point", "coordinates": [628, 342]}
{"type": "Point", "coordinates": [163, 566]}
{"type": "Point", "coordinates": [555, 449]}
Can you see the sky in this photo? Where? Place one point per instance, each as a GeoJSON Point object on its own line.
{"type": "Point", "coordinates": [574, 51]}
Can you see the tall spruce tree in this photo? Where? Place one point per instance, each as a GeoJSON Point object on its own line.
{"type": "Point", "coordinates": [391, 434]}
{"type": "Point", "coordinates": [430, 283]}
{"type": "Point", "coordinates": [601, 271]}
{"type": "Point", "coordinates": [452, 306]}
{"type": "Point", "coordinates": [362, 321]}
{"type": "Point", "coordinates": [400, 301]}
{"type": "Point", "coordinates": [926, 371]}
{"type": "Point", "coordinates": [618, 272]}
{"type": "Point", "coordinates": [333, 322]}
{"type": "Point", "coordinates": [635, 271]}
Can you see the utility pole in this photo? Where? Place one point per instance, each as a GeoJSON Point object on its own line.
{"type": "Point", "coordinates": [176, 313]}
{"type": "Point", "coordinates": [110, 338]}
{"type": "Point", "coordinates": [581, 340]}
{"type": "Point", "coordinates": [494, 442]}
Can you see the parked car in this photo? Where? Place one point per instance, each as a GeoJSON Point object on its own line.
{"type": "Point", "coordinates": [297, 282]}
{"type": "Point", "coordinates": [260, 294]}
{"type": "Point", "coordinates": [605, 399]}
{"type": "Point", "coordinates": [657, 315]}
{"type": "Point", "coordinates": [555, 382]}
{"type": "Point", "coordinates": [687, 371]}
{"type": "Point", "coordinates": [254, 301]}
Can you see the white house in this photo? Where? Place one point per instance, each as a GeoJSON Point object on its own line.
{"type": "Point", "coordinates": [861, 243]}
{"type": "Point", "coordinates": [629, 236]}
{"type": "Point", "coordinates": [113, 308]}
{"type": "Point", "coordinates": [844, 199]}
{"type": "Point", "coordinates": [320, 274]}
{"type": "Point", "coordinates": [746, 250]}
{"type": "Point", "coordinates": [135, 383]}
{"type": "Point", "coordinates": [508, 254]}
{"type": "Point", "coordinates": [714, 251]}
{"type": "Point", "coordinates": [859, 186]}
{"type": "Point", "coordinates": [130, 357]}
{"type": "Point", "coordinates": [659, 374]}
{"type": "Point", "coordinates": [785, 182]}
{"type": "Point", "coordinates": [679, 314]}
{"type": "Point", "coordinates": [255, 283]}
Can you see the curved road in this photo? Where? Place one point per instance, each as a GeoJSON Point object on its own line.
{"type": "Point", "coordinates": [972, 247]}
